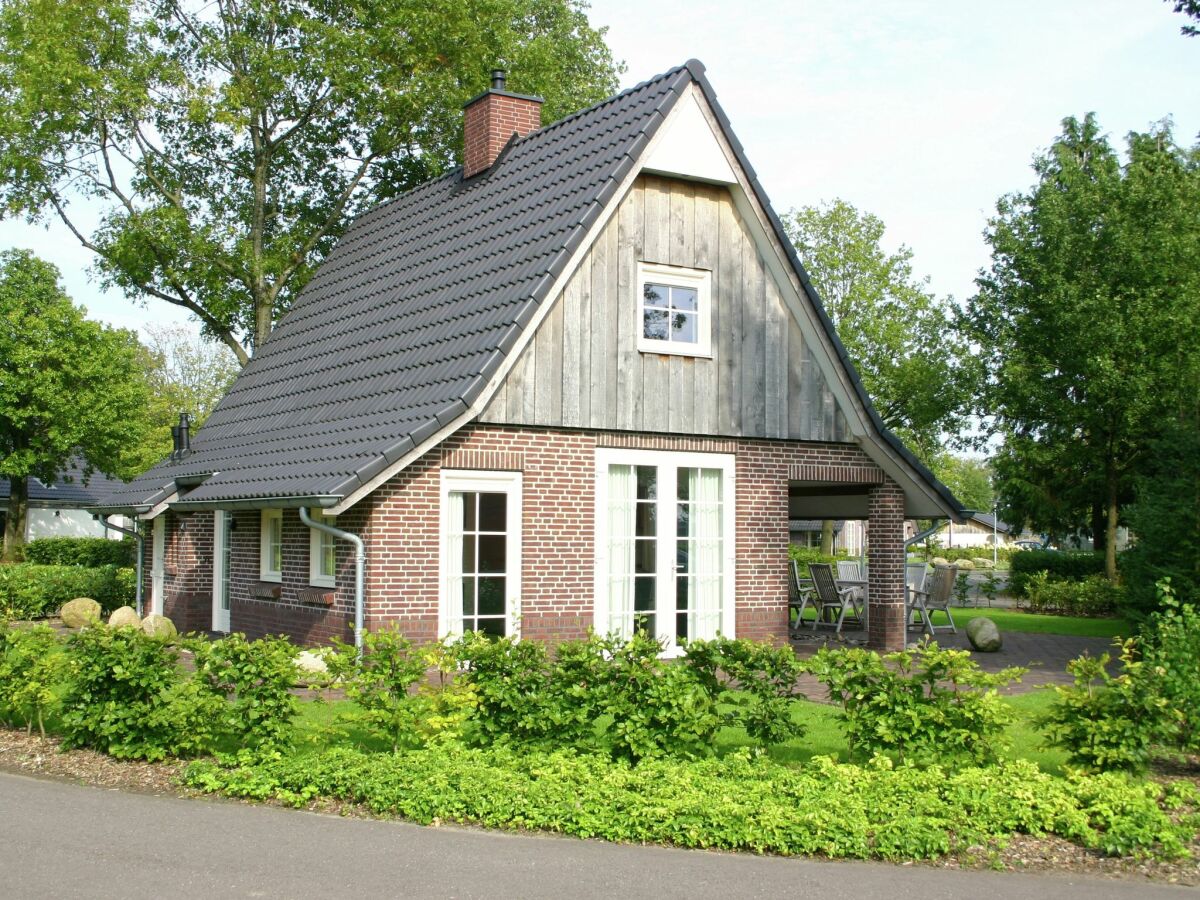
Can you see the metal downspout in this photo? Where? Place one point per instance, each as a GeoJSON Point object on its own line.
{"type": "Point", "coordinates": [360, 565]}
{"type": "Point", "coordinates": [141, 539]}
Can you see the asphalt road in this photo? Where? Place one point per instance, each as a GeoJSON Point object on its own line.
{"type": "Point", "coordinates": [61, 840]}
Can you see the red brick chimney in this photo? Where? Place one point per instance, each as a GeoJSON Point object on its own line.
{"type": "Point", "coordinates": [490, 121]}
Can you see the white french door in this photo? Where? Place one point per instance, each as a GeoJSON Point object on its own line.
{"type": "Point", "coordinates": [158, 557]}
{"type": "Point", "coordinates": [222, 528]}
{"type": "Point", "coordinates": [664, 545]}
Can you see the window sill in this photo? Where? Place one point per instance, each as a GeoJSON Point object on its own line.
{"type": "Point", "coordinates": [668, 350]}
{"type": "Point", "coordinates": [268, 576]}
{"type": "Point", "coordinates": [327, 583]}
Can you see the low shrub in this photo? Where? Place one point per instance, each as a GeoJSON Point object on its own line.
{"type": "Point", "coordinates": [32, 591]}
{"type": "Point", "coordinates": [253, 681]}
{"type": "Point", "coordinates": [806, 555]}
{"type": "Point", "coordinates": [81, 551]}
{"type": "Point", "coordinates": [922, 704]}
{"type": "Point", "coordinates": [1073, 566]}
{"type": "Point", "coordinates": [972, 554]}
{"type": "Point", "coordinates": [128, 698]}
{"type": "Point", "coordinates": [33, 668]}
{"type": "Point", "coordinates": [1093, 596]}
{"type": "Point", "coordinates": [874, 811]}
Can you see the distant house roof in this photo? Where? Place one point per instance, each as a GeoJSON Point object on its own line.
{"type": "Point", "coordinates": [986, 520]}
{"type": "Point", "coordinates": [72, 493]}
{"type": "Point", "coordinates": [814, 525]}
{"type": "Point", "coordinates": [404, 325]}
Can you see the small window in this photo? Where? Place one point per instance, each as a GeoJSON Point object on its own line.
{"type": "Point", "coordinates": [673, 310]}
{"type": "Point", "coordinates": [322, 556]}
{"type": "Point", "coordinates": [270, 551]}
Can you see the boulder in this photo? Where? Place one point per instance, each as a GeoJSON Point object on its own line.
{"type": "Point", "coordinates": [965, 565]}
{"type": "Point", "coordinates": [984, 635]}
{"type": "Point", "coordinates": [80, 612]}
{"type": "Point", "coordinates": [159, 627]}
{"type": "Point", "coordinates": [981, 562]}
{"type": "Point", "coordinates": [125, 617]}
{"type": "Point", "coordinates": [311, 662]}
{"type": "Point", "coordinates": [940, 561]}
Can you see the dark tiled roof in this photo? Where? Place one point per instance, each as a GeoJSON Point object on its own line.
{"type": "Point", "coordinates": [814, 525]}
{"type": "Point", "coordinates": [68, 493]}
{"type": "Point", "coordinates": [987, 520]}
{"type": "Point", "coordinates": [412, 312]}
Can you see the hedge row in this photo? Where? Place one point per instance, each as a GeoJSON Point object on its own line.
{"type": "Point", "coordinates": [32, 591]}
{"type": "Point", "coordinates": [74, 551]}
{"type": "Point", "coordinates": [1074, 566]}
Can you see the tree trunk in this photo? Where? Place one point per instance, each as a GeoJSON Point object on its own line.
{"type": "Point", "coordinates": [1110, 531]}
{"type": "Point", "coordinates": [827, 537]}
{"type": "Point", "coordinates": [14, 523]}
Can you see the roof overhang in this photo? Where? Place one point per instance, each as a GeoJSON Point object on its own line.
{"type": "Point", "coordinates": [321, 501]}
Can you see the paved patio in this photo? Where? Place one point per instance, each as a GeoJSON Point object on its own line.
{"type": "Point", "coordinates": [1045, 655]}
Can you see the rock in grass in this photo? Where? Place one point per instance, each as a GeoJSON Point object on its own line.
{"type": "Point", "coordinates": [80, 612]}
{"type": "Point", "coordinates": [159, 627]}
{"type": "Point", "coordinates": [125, 617]}
{"type": "Point", "coordinates": [940, 561]}
{"type": "Point", "coordinates": [984, 635]}
{"type": "Point", "coordinates": [981, 562]}
{"type": "Point", "coordinates": [311, 662]}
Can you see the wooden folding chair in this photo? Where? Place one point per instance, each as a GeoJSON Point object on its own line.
{"type": "Point", "coordinates": [803, 595]}
{"type": "Point", "coordinates": [935, 597]}
{"type": "Point", "coordinates": [833, 599]}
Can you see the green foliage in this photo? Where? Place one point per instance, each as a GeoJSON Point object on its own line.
{"type": "Point", "coordinates": [1166, 520]}
{"type": "Point", "coordinates": [75, 551]}
{"type": "Point", "coordinates": [875, 811]}
{"type": "Point", "coordinates": [253, 679]}
{"type": "Point", "coordinates": [969, 479]}
{"type": "Point", "coordinates": [755, 680]}
{"type": "Point", "coordinates": [519, 697]}
{"type": "Point", "coordinates": [71, 390]}
{"type": "Point", "coordinates": [32, 669]}
{"type": "Point", "coordinates": [29, 591]}
{"type": "Point", "coordinates": [1094, 596]}
{"type": "Point", "coordinates": [1083, 324]}
{"type": "Point", "coordinates": [900, 337]}
{"type": "Point", "coordinates": [922, 704]}
{"type": "Point", "coordinates": [226, 145]}
{"type": "Point", "coordinates": [395, 697]}
{"type": "Point", "coordinates": [962, 589]}
{"type": "Point", "coordinates": [989, 587]}
{"type": "Point", "coordinates": [128, 698]}
{"type": "Point", "coordinates": [1171, 657]}
{"type": "Point", "coordinates": [1075, 566]}
{"type": "Point", "coordinates": [807, 555]}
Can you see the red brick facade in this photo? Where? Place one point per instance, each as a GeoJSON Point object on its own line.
{"type": "Point", "coordinates": [187, 570]}
{"type": "Point", "coordinates": [401, 526]}
{"type": "Point", "coordinates": [488, 124]}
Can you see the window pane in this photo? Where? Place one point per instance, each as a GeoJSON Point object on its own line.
{"type": "Point", "coordinates": [491, 596]}
{"type": "Point", "coordinates": [469, 501]}
{"type": "Point", "coordinates": [491, 627]}
{"type": "Point", "coordinates": [468, 596]}
{"type": "Point", "coordinates": [683, 327]}
{"type": "Point", "coordinates": [683, 298]}
{"type": "Point", "coordinates": [644, 553]}
{"type": "Point", "coordinates": [683, 556]}
{"type": "Point", "coordinates": [654, 324]}
{"type": "Point", "coordinates": [681, 592]}
{"type": "Point", "coordinates": [647, 482]}
{"type": "Point", "coordinates": [654, 294]}
{"type": "Point", "coordinates": [493, 512]}
{"type": "Point", "coordinates": [468, 554]}
{"type": "Point", "coordinates": [643, 521]}
{"type": "Point", "coordinates": [492, 553]}
{"type": "Point", "coordinates": [683, 518]}
{"type": "Point", "coordinates": [643, 593]}
{"type": "Point", "coordinates": [328, 556]}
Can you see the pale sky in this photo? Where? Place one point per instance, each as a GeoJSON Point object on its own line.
{"type": "Point", "coordinates": [922, 112]}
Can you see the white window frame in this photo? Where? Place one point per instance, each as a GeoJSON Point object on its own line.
{"type": "Point", "coordinates": [316, 538]}
{"type": "Point", "coordinates": [699, 280]}
{"type": "Point", "coordinates": [484, 481]}
{"type": "Point", "coordinates": [666, 460]}
{"type": "Point", "coordinates": [264, 545]}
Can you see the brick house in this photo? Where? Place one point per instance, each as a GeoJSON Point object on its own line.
{"type": "Point", "coordinates": [581, 382]}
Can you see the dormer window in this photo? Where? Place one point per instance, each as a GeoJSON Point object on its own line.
{"type": "Point", "coordinates": [674, 309]}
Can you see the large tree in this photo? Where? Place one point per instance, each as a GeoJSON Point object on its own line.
{"type": "Point", "coordinates": [71, 390]}
{"type": "Point", "coordinates": [1191, 9]}
{"type": "Point", "coordinates": [227, 142]}
{"type": "Point", "coordinates": [1088, 323]}
{"type": "Point", "coordinates": [901, 338]}
{"type": "Point", "coordinates": [185, 373]}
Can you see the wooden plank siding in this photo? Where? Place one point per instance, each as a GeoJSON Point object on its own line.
{"type": "Point", "coordinates": [583, 368]}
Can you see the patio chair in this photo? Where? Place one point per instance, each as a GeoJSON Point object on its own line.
{"type": "Point", "coordinates": [935, 597]}
{"type": "Point", "coordinates": [914, 580]}
{"type": "Point", "coordinates": [835, 600]}
{"type": "Point", "coordinates": [802, 596]}
{"type": "Point", "coordinates": [851, 570]}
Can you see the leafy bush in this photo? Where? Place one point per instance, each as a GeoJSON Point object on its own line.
{"type": "Point", "coordinates": [253, 681]}
{"type": "Point", "coordinates": [382, 681]}
{"type": "Point", "coordinates": [807, 555]}
{"type": "Point", "coordinates": [518, 701]}
{"type": "Point", "coordinates": [1093, 596]}
{"type": "Point", "coordinates": [1108, 722]}
{"type": "Point", "coordinates": [1074, 566]}
{"type": "Point", "coordinates": [128, 698]}
{"type": "Point", "coordinates": [80, 551]}
{"type": "Point", "coordinates": [875, 811]}
{"type": "Point", "coordinates": [922, 704]}
{"type": "Point", "coordinates": [954, 554]}
{"type": "Point", "coordinates": [31, 591]}
{"type": "Point", "coordinates": [33, 668]}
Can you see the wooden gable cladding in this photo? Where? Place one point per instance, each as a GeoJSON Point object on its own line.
{"type": "Point", "coordinates": [583, 369]}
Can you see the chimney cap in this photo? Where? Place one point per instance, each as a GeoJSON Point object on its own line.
{"type": "Point", "coordinates": [498, 79]}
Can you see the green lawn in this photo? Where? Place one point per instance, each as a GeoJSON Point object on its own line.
{"type": "Point", "coordinates": [1013, 620]}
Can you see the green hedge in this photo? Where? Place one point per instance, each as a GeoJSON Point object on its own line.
{"type": "Point", "coordinates": [73, 551]}
{"type": "Point", "coordinates": [32, 591]}
{"type": "Point", "coordinates": [1060, 567]}
{"type": "Point", "coordinates": [954, 554]}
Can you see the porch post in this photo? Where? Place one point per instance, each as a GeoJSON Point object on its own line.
{"type": "Point", "coordinates": [885, 588]}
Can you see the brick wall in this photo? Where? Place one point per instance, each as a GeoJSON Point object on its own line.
{"type": "Point", "coordinates": [489, 122]}
{"type": "Point", "coordinates": [187, 569]}
{"type": "Point", "coordinates": [885, 592]}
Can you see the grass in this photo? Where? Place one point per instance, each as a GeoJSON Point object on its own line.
{"type": "Point", "coordinates": [1033, 623]}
